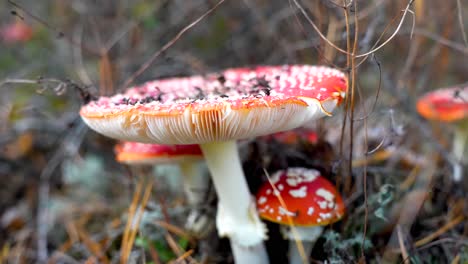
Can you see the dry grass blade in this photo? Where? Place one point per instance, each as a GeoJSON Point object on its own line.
{"type": "Point", "coordinates": [106, 75]}
{"type": "Point", "coordinates": [460, 21]}
{"type": "Point", "coordinates": [177, 249]}
{"type": "Point", "coordinates": [94, 247]}
{"type": "Point", "coordinates": [173, 229]}
{"type": "Point", "coordinates": [154, 254]}
{"type": "Point", "coordinates": [440, 231]}
{"type": "Point", "coordinates": [456, 259]}
{"type": "Point", "coordinates": [329, 42]}
{"type": "Point", "coordinates": [133, 221]}
{"type": "Point", "coordinates": [4, 253]}
{"type": "Point", "coordinates": [184, 256]}
{"type": "Point", "coordinates": [401, 242]}
{"type": "Point", "coordinates": [131, 213]}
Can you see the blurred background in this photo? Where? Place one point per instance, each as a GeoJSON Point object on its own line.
{"type": "Point", "coordinates": [64, 199]}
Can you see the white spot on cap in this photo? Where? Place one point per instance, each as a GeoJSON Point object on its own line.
{"type": "Point", "coordinates": [262, 200]}
{"type": "Point", "coordinates": [310, 175]}
{"type": "Point", "coordinates": [292, 182]}
{"type": "Point", "coordinates": [325, 194]}
{"type": "Point", "coordinates": [268, 191]}
{"type": "Point", "coordinates": [310, 211]}
{"type": "Point", "coordinates": [299, 193]}
{"type": "Point", "coordinates": [280, 187]}
{"type": "Point", "coordinates": [322, 204]}
{"type": "Point", "coordinates": [299, 175]}
{"type": "Point", "coordinates": [271, 210]}
{"type": "Point", "coordinates": [325, 215]}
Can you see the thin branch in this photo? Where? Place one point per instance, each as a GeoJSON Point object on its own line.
{"type": "Point", "coordinates": [462, 25]}
{"type": "Point", "coordinates": [60, 34]}
{"type": "Point", "coordinates": [169, 44]}
{"type": "Point", "coordinates": [405, 12]}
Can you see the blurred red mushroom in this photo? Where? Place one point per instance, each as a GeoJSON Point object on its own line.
{"type": "Point", "coordinates": [187, 157]}
{"type": "Point", "coordinates": [449, 105]}
{"type": "Point", "coordinates": [15, 32]}
{"type": "Point", "coordinates": [294, 136]}
{"type": "Point", "coordinates": [303, 198]}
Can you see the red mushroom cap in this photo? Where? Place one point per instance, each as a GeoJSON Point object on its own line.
{"type": "Point", "coordinates": [447, 105]}
{"type": "Point", "coordinates": [16, 32]}
{"type": "Point", "coordinates": [141, 153]}
{"type": "Point", "coordinates": [311, 200]}
{"type": "Point", "coordinates": [294, 136]}
{"type": "Point", "coordinates": [236, 104]}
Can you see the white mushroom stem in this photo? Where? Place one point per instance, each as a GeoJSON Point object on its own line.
{"type": "Point", "coordinates": [459, 142]}
{"type": "Point", "coordinates": [237, 217]}
{"type": "Point", "coordinates": [304, 235]}
{"type": "Point", "coordinates": [195, 182]}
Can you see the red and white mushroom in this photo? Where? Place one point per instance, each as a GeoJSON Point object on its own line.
{"type": "Point", "coordinates": [295, 136]}
{"type": "Point", "coordinates": [16, 32]}
{"type": "Point", "coordinates": [214, 111]}
{"type": "Point", "coordinates": [449, 105]}
{"type": "Point", "coordinates": [303, 198]}
{"type": "Point", "coordinates": [187, 157]}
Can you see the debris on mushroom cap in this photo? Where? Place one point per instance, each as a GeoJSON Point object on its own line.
{"type": "Point", "coordinates": [141, 153]}
{"type": "Point", "coordinates": [310, 199]}
{"type": "Point", "coordinates": [234, 104]}
{"type": "Point", "coordinates": [448, 105]}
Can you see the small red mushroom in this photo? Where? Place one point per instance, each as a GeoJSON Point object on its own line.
{"type": "Point", "coordinates": [194, 180]}
{"type": "Point", "coordinates": [308, 201]}
{"type": "Point", "coordinates": [295, 136]}
{"type": "Point", "coordinates": [449, 105]}
{"type": "Point", "coordinates": [15, 32]}
{"type": "Point", "coordinates": [214, 111]}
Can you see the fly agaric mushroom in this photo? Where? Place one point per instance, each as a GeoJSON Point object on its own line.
{"type": "Point", "coordinates": [214, 111]}
{"type": "Point", "coordinates": [187, 157]}
{"type": "Point", "coordinates": [295, 136]}
{"type": "Point", "coordinates": [449, 105]}
{"type": "Point", "coordinates": [15, 32]}
{"type": "Point", "coordinates": [308, 202]}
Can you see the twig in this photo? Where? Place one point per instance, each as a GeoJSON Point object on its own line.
{"type": "Point", "coordinates": [60, 34]}
{"type": "Point", "coordinates": [131, 213]}
{"type": "Point", "coordinates": [440, 231]}
{"type": "Point", "coordinates": [75, 136]}
{"type": "Point", "coordinates": [134, 216]}
{"type": "Point", "coordinates": [401, 242]}
{"type": "Point", "coordinates": [173, 229]}
{"type": "Point", "coordinates": [169, 44]}
{"type": "Point", "coordinates": [443, 41]}
{"type": "Point", "coordinates": [405, 12]}
{"type": "Point", "coordinates": [184, 256]}
{"type": "Point", "coordinates": [94, 247]}
{"type": "Point", "coordinates": [136, 222]}
{"type": "Point", "coordinates": [277, 193]}
{"type": "Point", "coordinates": [460, 21]}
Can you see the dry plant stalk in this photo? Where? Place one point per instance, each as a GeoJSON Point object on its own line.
{"type": "Point", "coordinates": [135, 213]}
{"type": "Point", "coordinates": [94, 247]}
{"type": "Point", "coordinates": [401, 242]}
{"type": "Point", "coordinates": [452, 223]}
